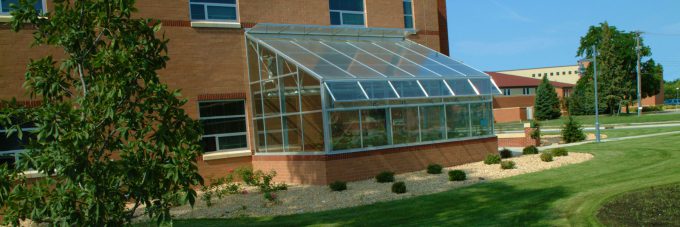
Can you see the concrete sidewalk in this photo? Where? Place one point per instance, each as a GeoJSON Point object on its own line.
{"type": "Point", "coordinates": [519, 149]}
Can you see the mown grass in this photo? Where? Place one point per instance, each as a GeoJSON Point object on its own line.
{"type": "Point", "coordinates": [655, 206]}
{"type": "Point", "coordinates": [569, 195]}
{"type": "Point", "coordinates": [590, 120]}
{"type": "Point", "coordinates": [617, 133]}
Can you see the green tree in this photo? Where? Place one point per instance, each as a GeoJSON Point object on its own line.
{"type": "Point", "coordinates": [669, 88]}
{"type": "Point", "coordinates": [617, 76]}
{"type": "Point", "coordinates": [110, 135]}
{"type": "Point", "coordinates": [572, 131]}
{"type": "Point", "coordinates": [547, 105]}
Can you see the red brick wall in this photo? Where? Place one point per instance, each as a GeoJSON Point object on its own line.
{"type": "Point", "coordinates": [519, 141]}
{"type": "Point", "coordinates": [500, 101]}
{"type": "Point", "coordinates": [323, 169]}
{"type": "Point", "coordinates": [510, 114]}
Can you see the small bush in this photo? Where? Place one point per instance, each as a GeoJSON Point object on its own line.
{"type": "Point", "coordinates": [385, 177]}
{"type": "Point", "coordinates": [505, 153]}
{"type": "Point", "coordinates": [338, 186]}
{"type": "Point", "coordinates": [271, 196]}
{"type": "Point", "coordinates": [530, 150]}
{"type": "Point", "coordinates": [559, 152]}
{"type": "Point", "coordinates": [507, 165]}
{"type": "Point", "coordinates": [457, 175]}
{"type": "Point", "coordinates": [399, 187]}
{"type": "Point", "coordinates": [219, 188]}
{"type": "Point", "coordinates": [546, 157]}
{"type": "Point", "coordinates": [572, 131]}
{"type": "Point", "coordinates": [263, 181]}
{"type": "Point", "coordinates": [492, 159]}
{"type": "Point", "coordinates": [434, 169]}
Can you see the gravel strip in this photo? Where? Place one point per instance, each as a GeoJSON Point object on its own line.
{"type": "Point", "coordinates": [307, 198]}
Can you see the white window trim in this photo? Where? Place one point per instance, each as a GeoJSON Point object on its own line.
{"type": "Point", "coordinates": [6, 17]}
{"type": "Point", "coordinates": [342, 23]}
{"type": "Point", "coordinates": [216, 136]}
{"type": "Point", "coordinates": [213, 22]}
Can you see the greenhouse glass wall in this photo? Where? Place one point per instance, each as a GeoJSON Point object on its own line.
{"type": "Point", "coordinates": [325, 90]}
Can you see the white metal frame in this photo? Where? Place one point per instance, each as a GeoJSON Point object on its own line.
{"type": "Point", "coordinates": [413, 25]}
{"type": "Point", "coordinates": [205, 10]}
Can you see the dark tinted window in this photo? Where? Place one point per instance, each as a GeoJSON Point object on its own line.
{"type": "Point", "coordinates": [215, 109]}
{"type": "Point", "coordinates": [350, 5]}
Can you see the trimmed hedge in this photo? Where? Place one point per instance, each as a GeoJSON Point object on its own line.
{"type": "Point", "coordinates": [507, 165]}
{"type": "Point", "coordinates": [338, 186]}
{"type": "Point", "coordinates": [546, 157]}
{"type": "Point", "coordinates": [434, 169]}
{"type": "Point", "coordinates": [457, 175]}
{"type": "Point", "coordinates": [385, 177]}
{"type": "Point", "coordinates": [559, 152]}
{"type": "Point", "coordinates": [531, 149]}
{"type": "Point", "coordinates": [505, 153]}
{"type": "Point", "coordinates": [399, 187]}
{"type": "Point", "coordinates": [492, 159]}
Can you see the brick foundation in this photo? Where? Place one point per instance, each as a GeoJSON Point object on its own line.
{"type": "Point", "coordinates": [323, 169]}
{"type": "Point", "coordinates": [523, 141]}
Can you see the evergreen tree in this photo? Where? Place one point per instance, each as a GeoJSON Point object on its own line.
{"type": "Point", "coordinates": [572, 131]}
{"type": "Point", "coordinates": [547, 105]}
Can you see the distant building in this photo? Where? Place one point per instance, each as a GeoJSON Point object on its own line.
{"type": "Point", "coordinates": [565, 74]}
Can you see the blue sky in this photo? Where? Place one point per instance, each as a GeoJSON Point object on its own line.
{"type": "Point", "coordinates": [494, 35]}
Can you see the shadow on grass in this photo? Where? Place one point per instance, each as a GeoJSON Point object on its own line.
{"type": "Point", "coordinates": [493, 203]}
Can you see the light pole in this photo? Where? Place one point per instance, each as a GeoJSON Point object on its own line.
{"type": "Point", "coordinates": [582, 68]}
{"type": "Point", "coordinates": [677, 101]}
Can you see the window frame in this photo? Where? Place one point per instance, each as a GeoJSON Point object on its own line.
{"type": "Point", "coordinates": [205, 10]}
{"type": "Point", "coordinates": [217, 136]}
{"type": "Point", "coordinates": [43, 10]}
{"type": "Point", "coordinates": [341, 12]}
{"type": "Point", "coordinates": [16, 153]}
{"type": "Point", "coordinates": [413, 24]}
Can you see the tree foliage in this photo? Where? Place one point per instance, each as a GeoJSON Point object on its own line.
{"type": "Point", "coordinates": [670, 87]}
{"type": "Point", "coordinates": [572, 131]}
{"type": "Point", "coordinates": [110, 135]}
{"type": "Point", "coordinates": [547, 105]}
{"type": "Point", "coordinates": [616, 65]}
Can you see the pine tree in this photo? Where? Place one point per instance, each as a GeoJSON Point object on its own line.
{"type": "Point", "coordinates": [572, 132]}
{"type": "Point", "coordinates": [547, 105]}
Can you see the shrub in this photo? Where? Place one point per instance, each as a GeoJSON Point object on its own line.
{"type": "Point", "coordinates": [457, 175]}
{"type": "Point", "coordinates": [572, 131]}
{"type": "Point", "coordinates": [434, 169]}
{"type": "Point", "coordinates": [385, 177]}
{"type": "Point", "coordinates": [505, 153]}
{"type": "Point", "coordinates": [559, 152]}
{"type": "Point", "coordinates": [219, 188]}
{"type": "Point", "coordinates": [531, 149]}
{"type": "Point", "coordinates": [547, 104]}
{"type": "Point", "coordinates": [536, 132]}
{"type": "Point", "coordinates": [546, 157]}
{"type": "Point", "coordinates": [492, 159]}
{"type": "Point", "coordinates": [399, 187]}
{"type": "Point", "coordinates": [263, 181]}
{"type": "Point", "coordinates": [338, 186]}
{"type": "Point", "coordinates": [507, 165]}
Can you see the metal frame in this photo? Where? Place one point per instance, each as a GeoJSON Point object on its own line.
{"type": "Point", "coordinates": [216, 136]}
{"type": "Point", "coordinates": [205, 10]}
{"type": "Point", "coordinates": [341, 12]}
{"type": "Point", "coordinates": [413, 24]}
{"type": "Point", "coordinates": [328, 99]}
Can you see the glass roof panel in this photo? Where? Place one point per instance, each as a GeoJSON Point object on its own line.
{"type": "Point", "coordinates": [341, 60]}
{"type": "Point", "coordinates": [396, 60]}
{"type": "Point", "coordinates": [484, 86]}
{"type": "Point", "coordinates": [434, 66]}
{"type": "Point", "coordinates": [308, 60]}
{"type": "Point", "coordinates": [369, 60]}
{"type": "Point", "coordinates": [461, 87]}
{"type": "Point", "coordinates": [441, 58]}
{"type": "Point", "coordinates": [345, 91]}
{"type": "Point", "coordinates": [378, 90]}
{"type": "Point", "coordinates": [408, 88]}
{"type": "Point", "coordinates": [435, 88]}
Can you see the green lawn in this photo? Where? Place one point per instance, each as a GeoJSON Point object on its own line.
{"type": "Point", "coordinates": [564, 196]}
{"type": "Point", "coordinates": [604, 120]}
{"type": "Point", "coordinates": [617, 133]}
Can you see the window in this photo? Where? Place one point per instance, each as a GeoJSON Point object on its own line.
{"type": "Point", "coordinates": [11, 147]}
{"type": "Point", "coordinates": [551, 74]}
{"type": "Point", "coordinates": [213, 10]}
{"type": "Point", "coordinates": [526, 91]}
{"type": "Point", "coordinates": [5, 6]}
{"type": "Point", "coordinates": [408, 14]}
{"type": "Point", "coordinates": [506, 91]}
{"type": "Point", "coordinates": [569, 72]}
{"type": "Point", "coordinates": [564, 73]}
{"type": "Point", "coordinates": [347, 12]}
{"type": "Point", "coordinates": [545, 74]}
{"type": "Point", "coordinates": [533, 75]}
{"type": "Point", "coordinates": [224, 125]}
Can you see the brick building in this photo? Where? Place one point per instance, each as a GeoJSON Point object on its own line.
{"type": "Point", "coordinates": [268, 100]}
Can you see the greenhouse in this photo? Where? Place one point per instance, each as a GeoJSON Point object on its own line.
{"type": "Point", "coordinates": [328, 90]}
